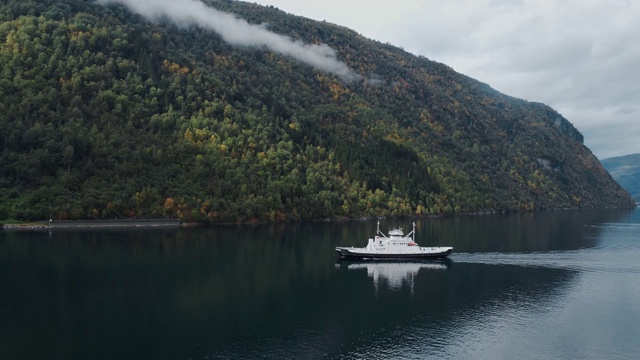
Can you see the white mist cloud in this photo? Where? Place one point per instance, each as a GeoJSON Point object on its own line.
{"type": "Point", "coordinates": [237, 31]}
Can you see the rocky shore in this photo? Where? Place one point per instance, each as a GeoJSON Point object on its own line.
{"type": "Point", "coordinates": [25, 227]}
{"type": "Point", "coordinates": [92, 224]}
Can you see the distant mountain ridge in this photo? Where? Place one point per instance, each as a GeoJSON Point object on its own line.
{"type": "Point", "coordinates": [626, 171]}
{"type": "Point", "coordinates": [105, 114]}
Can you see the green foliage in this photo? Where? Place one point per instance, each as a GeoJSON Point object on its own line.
{"type": "Point", "coordinates": [106, 115]}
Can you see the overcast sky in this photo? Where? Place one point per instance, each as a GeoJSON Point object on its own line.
{"type": "Point", "coordinates": [581, 57]}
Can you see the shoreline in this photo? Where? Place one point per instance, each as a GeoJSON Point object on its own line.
{"type": "Point", "coordinates": [169, 223]}
{"type": "Point", "coordinates": [95, 224]}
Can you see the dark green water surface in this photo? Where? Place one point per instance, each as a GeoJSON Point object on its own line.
{"type": "Point", "coordinates": [553, 285]}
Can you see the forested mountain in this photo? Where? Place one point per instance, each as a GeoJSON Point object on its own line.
{"type": "Point", "coordinates": [626, 171]}
{"type": "Point", "coordinates": [105, 114]}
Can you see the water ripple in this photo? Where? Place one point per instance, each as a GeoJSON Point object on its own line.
{"type": "Point", "coordinates": [617, 259]}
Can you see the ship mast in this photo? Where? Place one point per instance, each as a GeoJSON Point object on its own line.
{"type": "Point", "coordinates": [380, 232]}
{"type": "Point", "coordinates": [412, 234]}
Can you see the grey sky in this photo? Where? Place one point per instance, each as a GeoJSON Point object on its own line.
{"type": "Point", "coordinates": [580, 57]}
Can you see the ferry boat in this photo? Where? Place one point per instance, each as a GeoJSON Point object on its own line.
{"type": "Point", "coordinates": [396, 246]}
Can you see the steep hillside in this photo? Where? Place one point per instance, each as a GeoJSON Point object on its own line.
{"type": "Point", "coordinates": [626, 171]}
{"type": "Point", "coordinates": [106, 114]}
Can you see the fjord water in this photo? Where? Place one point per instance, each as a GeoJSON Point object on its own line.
{"type": "Point", "coordinates": [563, 284]}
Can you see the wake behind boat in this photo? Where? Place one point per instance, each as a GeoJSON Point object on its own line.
{"type": "Point", "coordinates": [396, 246]}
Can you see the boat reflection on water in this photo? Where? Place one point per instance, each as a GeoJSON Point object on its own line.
{"type": "Point", "coordinates": [393, 273]}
